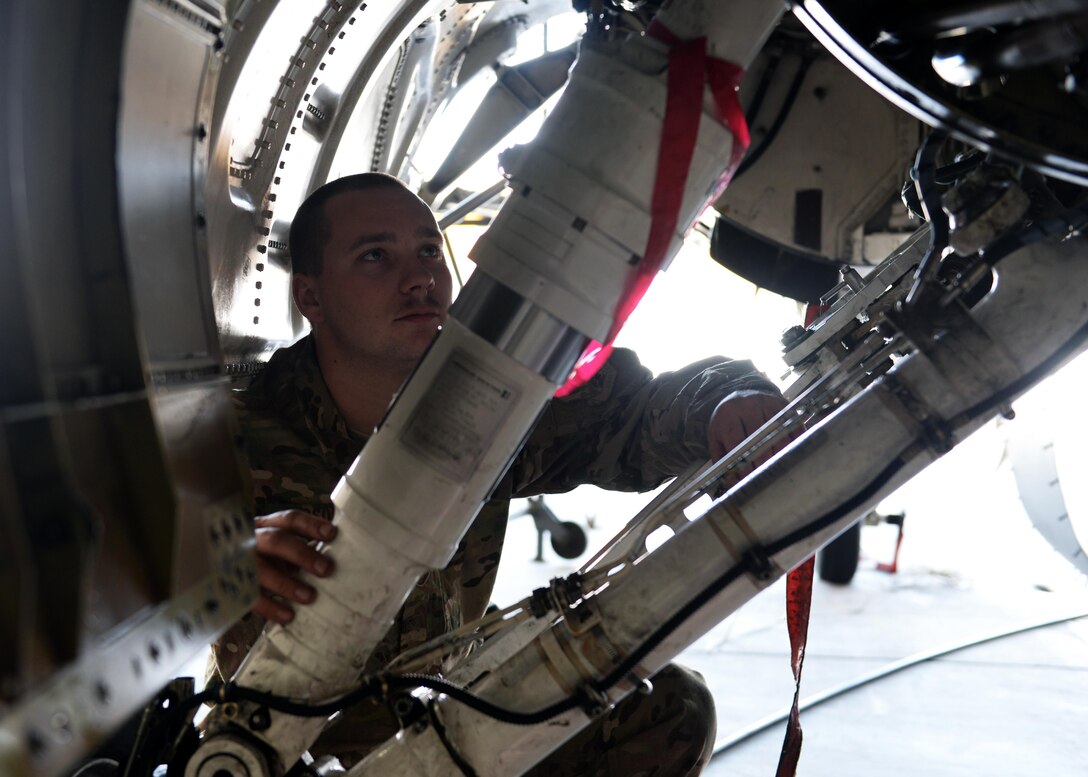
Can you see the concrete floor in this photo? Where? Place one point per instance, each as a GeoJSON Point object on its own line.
{"type": "Point", "coordinates": [971, 566]}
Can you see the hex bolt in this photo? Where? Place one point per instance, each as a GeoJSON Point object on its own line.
{"type": "Point", "coordinates": [260, 719]}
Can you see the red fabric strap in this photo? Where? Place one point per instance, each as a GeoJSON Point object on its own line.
{"type": "Point", "coordinates": [798, 607]}
{"type": "Point", "coordinates": [689, 70]}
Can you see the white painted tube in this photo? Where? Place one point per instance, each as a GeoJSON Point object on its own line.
{"type": "Point", "coordinates": [577, 221]}
{"type": "Point", "coordinates": [401, 510]}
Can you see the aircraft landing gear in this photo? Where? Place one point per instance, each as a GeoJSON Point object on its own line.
{"type": "Point", "coordinates": [568, 538]}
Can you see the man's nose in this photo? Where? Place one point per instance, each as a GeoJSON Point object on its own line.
{"type": "Point", "coordinates": [417, 277]}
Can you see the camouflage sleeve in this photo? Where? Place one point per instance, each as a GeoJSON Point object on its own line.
{"type": "Point", "coordinates": [627, 430]}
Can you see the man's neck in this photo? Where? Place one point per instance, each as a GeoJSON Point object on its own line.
{"type": "Point", "coordinates": [361, 389]}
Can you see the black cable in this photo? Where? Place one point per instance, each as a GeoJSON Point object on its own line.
{"type": "Point", "coordinates": [379, 686]}
{"type": "Point", "coordinates": [950, 173]}
{"type": "Point", "coordinates": [882, 479]}
{"type": "Point", "coordinates": [924, 174]}
{"type": "Point", "coordinates": [482, 705]}
{"type": "Point", "coordinates": [751, 565]}
{"type": "Point", "coordinates": [760, 94]}
{"type": "Point", "coordinates": [1070, 220]}
{"type": "Point", "coordinates": [440, 729]}
{"type": "Point", "coordinates": [783, 113]}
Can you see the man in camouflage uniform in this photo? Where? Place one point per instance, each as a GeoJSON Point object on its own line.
{"type": "Point", "coordinates": [370, 276]}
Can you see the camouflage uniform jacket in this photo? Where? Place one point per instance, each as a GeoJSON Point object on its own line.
{"type": "Point", "coordinates": [624, 430]}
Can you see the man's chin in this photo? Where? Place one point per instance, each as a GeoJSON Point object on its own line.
{"type": "Point", "coordinates": [417, 348]}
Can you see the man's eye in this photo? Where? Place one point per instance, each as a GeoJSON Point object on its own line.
{"type": "Point", "coordinates": [431, 252]}
{"type": "Point", "coordinates": [371, 256]}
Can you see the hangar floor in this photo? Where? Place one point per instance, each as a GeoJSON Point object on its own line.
{"type": "Point", "coordinates": [971, 566]}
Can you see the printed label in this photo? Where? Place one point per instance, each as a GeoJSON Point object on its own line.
{"type": "Point", "coordinates": [460, 416]}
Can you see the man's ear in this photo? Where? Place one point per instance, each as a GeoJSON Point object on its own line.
{"type": "Point", "coordinates": [307, 300]}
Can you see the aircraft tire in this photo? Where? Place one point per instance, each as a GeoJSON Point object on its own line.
{"type": "Point", "coordinates": [569, 539]}
{"type": "Point", "coordinates": [838, 560]}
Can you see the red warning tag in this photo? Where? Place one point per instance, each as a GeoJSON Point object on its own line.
{"type": "Point", "coordinates": [798, 606]}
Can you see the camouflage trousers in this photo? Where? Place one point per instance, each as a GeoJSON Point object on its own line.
{"type": "Point", "coordinates": [669, 733]}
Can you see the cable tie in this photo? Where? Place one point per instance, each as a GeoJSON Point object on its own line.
{"type": "Point", "coordinates": [592, 700]}
{"type": "Point", "coordinates": [540, 603]}
{"type": "Point", "coordinates": [759, 563]}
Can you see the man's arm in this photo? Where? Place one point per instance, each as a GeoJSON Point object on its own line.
{"type": "Point", "coordinates": [626, 430]}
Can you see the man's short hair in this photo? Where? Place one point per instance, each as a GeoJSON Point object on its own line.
{"type": "Point", "coordinates": [310, 230]}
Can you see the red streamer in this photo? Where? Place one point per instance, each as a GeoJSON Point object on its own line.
{"type": "Point", "coordinates": [689, 70]}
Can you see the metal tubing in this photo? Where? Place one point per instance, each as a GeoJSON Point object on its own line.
{"type": "Point", "coordinates": [790, 506]}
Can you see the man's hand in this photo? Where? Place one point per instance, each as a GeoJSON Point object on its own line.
{"type": "Point", "coordinates": [285, 546]}
{"type": "Point", "coordinates": [736, 417]}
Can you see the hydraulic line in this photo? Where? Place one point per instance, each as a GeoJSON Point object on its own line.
{"type": "Point", "coordinates": [779, 120]}
{"type": "Point", "coordinates": [1067, 222]}
{"type": "Point", "coordinates": [896, 666]}
{"type": "Point", "coordinates": [924, 174]}
{"type": "Point", "coordinates": [752, 564]}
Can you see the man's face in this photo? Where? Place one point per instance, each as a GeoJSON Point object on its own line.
{"type": "Point", "coordinates": [384, 287]}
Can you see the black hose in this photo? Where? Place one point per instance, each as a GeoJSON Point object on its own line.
{"type": "Point", "coordinates": [851, 505]}
{"type": "Point", "coordinates": [950, 173]}
{"type": "Point", "coordinates": [760, 94]}
{"type": "Point", "coordinates": [1066, 222]}
{"type": "Point", "coordinates": [378, 687]}
{"type": "Point", "coordinates": [754, 564]}
{"type": "Point", "coordinates": [772, 132]}
{"type": "Point", "coordinates": [924, 174]}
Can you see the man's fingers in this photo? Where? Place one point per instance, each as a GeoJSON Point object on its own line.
{"type": "Point", "coordinates": [287, 536]}
{"type": "Point", "coordinates": [736, 417]}
{"type": "Point", "coordinates": [293, 549]}
{"type": "Point", "coordinates": [280, 588]}
{"type": "Point", "coordinates": [282, 581]}
{"type": "Point", "coordinates": [271, 610]}
{"type": "Point", "coordinates": [284, 547]}
{"type": "Point", "coordinates": [297, 522]}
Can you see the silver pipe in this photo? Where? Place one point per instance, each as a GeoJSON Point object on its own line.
{"type": "Point", "coordinates": [466, 206]}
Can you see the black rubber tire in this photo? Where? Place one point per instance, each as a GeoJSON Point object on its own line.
{"type": "Point", "coordinates": [569, 539]}
{"type": "Point", "coordinates": [838, 560]}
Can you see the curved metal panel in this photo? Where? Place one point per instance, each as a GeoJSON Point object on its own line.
{"type": "Point", "coordinates": [1030, 116]}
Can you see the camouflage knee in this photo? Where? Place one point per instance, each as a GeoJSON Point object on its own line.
{"type": "Point", "coordinates": [669, 733]}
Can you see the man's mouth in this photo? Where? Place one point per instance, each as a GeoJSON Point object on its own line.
{"type": "Point", "coordinates": [419, 314]}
